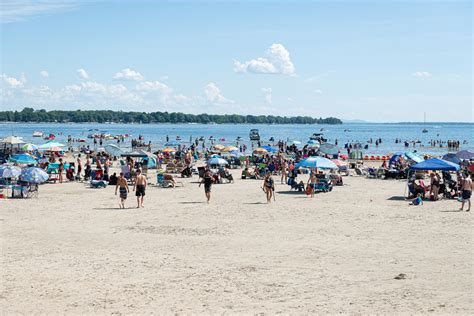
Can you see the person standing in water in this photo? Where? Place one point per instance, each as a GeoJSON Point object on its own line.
{"type": "Point", "coordinates": [122, 185]}
{"type": "Point", "coordinates": [139, 187]}
{"type": "Point", "coordinates": [207, 180]}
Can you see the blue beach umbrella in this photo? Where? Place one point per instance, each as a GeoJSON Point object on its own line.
{"type": "Point", "coordinates": [8, 171]}
{"type": "Point", "coordinates": [23, 159]}
{"type": "Point", "coordinates": [217, 161]}
{"type": "Point", "coordinates": [436, 164]}
{"type": "Point", "coordinates": [34, 175]}
{"type": "Point", "coordinates": [317, 162]}
{"type": "Point", "coordinates": [270, 149]}
{"type": "Point", "coordinates": [114, 150]}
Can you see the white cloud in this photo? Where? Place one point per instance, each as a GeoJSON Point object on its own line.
{"type": "Point", "coordinates": [82, 73]}
{"type": "Point", "coordinates": [149, 86]}
{"type": "Point", "coordinates": [21, 10]}
{"type": "Point", "coordinates": [12, 82]}
{"type": "Point", "coordinates": [277, 61]}
{"type": "Point", "coordinates": [421, 74]}
{"type": "Point", "coordinates": [213, 94]}
{"type": "Point", "coordinates": [128, 74]}
{"type": "Point", "coordinates": [44, 74]}
{"type": "Point", "coordinates": [267, 92]}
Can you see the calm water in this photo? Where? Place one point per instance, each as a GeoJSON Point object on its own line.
{"type": "Point", "coordinates": [349, 132]}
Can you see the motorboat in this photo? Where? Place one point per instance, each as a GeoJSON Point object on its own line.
{"type": "Point", "coordinates": [38, 134]}
{"type": "Point", "coordinates": [254, 135]}
{"type": "Point", "coordinates": [319, 137]}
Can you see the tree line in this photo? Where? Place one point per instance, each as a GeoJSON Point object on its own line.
{"type": "Point", "coordinates": [104, 116]}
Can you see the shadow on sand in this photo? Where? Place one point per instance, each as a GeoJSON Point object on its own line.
{"type": "Point", "coordinates": [397, 198]}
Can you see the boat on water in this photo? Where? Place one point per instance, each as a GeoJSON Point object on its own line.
{"type": "Point", "coordinates": [178, 137]}
{"type": "Point", "coordinates": [254, 135]}
{"type": "Point", "coordinates": [37, 134]}
{"type": "Point", "coordinates": [424, 124]}
{"type": "Point", "coordinates": [318, 137]}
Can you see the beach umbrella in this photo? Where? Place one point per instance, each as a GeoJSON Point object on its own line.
{"type": "Point", "coordinates": [135, 153]}
{"type": "Point", "coordinates": [229, 149]}
{"type": "Point", "coordinates": [8, 171]}
{"type": "Point", "coordinates": [260, 151]}
{"type": "Point", "coordinates": [12, 140]}
{"type": "Point", "coordinates": [235, 153]}
{"type": "Point", "coordinates": [270, 149]}
{"type": "Point", "coordinates": [113, 150]}
{"type": "Point", "coordinates": [49, 145]}
{"type": "Point", "coordinates": [23, 159]}
{"type": "Point", "coordinates": [218, 147]}
{"type": "Point", "coordinates": [413, 156]}
{"type": "Point", "coordinates": [169, 150]}
{"type": "Point", "coordinates": [329, 149]}
{"type": "Point", "coordinates": [465, 155]}
{"type": "Point", "coordinates": [217, 161]}
{"type": "Point", "coordinates": [215, 156]}
{"type": "Point", "coordinates": [452, 157]}
{"type": "Point", "coordinates": [34, 175]}
{"type": "Point", "coordinates": [317, 162]}
{"type": "Point", "coordinates": [339, 163]}
{"type": "Point", "coordinates": [54, 149]}
{"type": "Point", "coordinates": [172, 143]}
{"type": "Point", "coordinates": [29, 147]}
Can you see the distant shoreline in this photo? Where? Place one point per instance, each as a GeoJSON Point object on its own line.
{"type": "Point", "coordinates": [108, 116]}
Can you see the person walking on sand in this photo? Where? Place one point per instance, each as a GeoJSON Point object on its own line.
{"type": "Point", "coordinates": [466, 192]}
{"type": "Point", "coordinates": [139, 187]}
{"type": "Point", "coordinates": [122, 185]}
{"type": "Point", "coordinates": [207, 179]}
{"type": "Point", "coordinates": [268, 186]}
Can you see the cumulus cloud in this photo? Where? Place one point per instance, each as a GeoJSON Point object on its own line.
{"type": "Point", "coordinates": [82, 74]}
{"type": "Point", "coordinates": [149, 86]}
{"type": "Point", "coordinates": [128, 74]}
{"type": "Point", "coordinates": [267, 92]}
{"type": "Point", "coordinates": [421, 74]}
{"type": "Point", "coordinates": [12, 82]}
{"type": "Point", "coordinates": [44, 74]}
{"type": "Point", "coordinates": [213, 94]}
{"type": "Point", "coordinates": [276, 61]}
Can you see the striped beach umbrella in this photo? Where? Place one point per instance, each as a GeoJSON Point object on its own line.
{"type": "Point", "coordinates": [29, 147]}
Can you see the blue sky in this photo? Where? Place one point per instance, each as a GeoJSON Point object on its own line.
{"type": "Point", "coordinates": [379, 61]}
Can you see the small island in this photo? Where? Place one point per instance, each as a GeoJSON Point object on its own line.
{"type": "Point", "coordinates": [30, 115]}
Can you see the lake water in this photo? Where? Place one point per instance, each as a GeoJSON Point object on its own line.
{"type": "Point", "coordinates": [349, 132]}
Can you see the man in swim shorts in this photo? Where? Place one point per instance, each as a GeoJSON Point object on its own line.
{"type": "Point", "coordinates": [466, 192]}
{"type": "Point", "coordinates": [139, 188]}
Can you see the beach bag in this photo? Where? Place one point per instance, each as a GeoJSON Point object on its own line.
{"type": "Point", "coordinates": [308, 190]}
{"type": "Point", "coordinates": [417, 201]}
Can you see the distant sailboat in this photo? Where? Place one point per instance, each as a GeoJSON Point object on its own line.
{"type": "Point", "coordinates": [424, 124]}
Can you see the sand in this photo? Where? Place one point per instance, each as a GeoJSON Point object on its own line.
{"type": "Point", "coordinates": [72, 251]}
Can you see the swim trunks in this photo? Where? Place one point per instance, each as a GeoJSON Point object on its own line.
{"type": "Point", "coordinates": [123, 193]}
{"type": "Point", "coordinates": [140, 191]}
{"type": "Point", "coordinates": [466, 194]}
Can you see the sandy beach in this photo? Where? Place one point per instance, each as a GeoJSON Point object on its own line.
{"type": "Point", "coordinates": [73, 251]}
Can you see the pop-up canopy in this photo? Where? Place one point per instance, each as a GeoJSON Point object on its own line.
{"type": "Point", "coordinates": [436, 164]}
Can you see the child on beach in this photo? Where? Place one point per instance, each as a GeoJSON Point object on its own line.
{"type": "Point", "coordinates": [417, 201]}
{"type": "Point", "coordinates": [122, 185]}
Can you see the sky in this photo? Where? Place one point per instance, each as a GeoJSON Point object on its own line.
{"type": "Point", "coordinates": [379, 61]}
